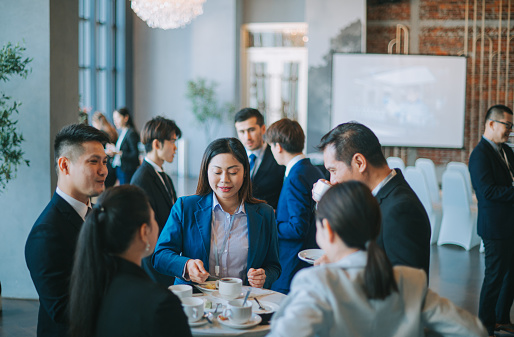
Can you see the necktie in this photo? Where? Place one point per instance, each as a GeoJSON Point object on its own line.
{"type": "Point", "coordinates": [252, 161]}
{"type": "Point", "coordinates": [89, 209]}
{"type": "Point", "coordinates": [167, 184]}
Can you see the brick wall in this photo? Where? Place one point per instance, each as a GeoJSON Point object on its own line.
{"type": "Point", "coordinates": [437, 27]}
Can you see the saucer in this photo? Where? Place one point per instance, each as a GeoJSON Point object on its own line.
{"type": "Point", "coordinates": [255, 320]}
{"type": "Point", "coordinates": [228, 298]}
{"type": "Point", "coordinates": [269, 307]}
{"type": "Point", "coordinates": [310, 255]}
{"type": "Point", "coordinates": [200, 322]}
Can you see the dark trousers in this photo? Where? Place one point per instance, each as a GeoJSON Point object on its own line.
{"type": "Point", "coordinates": [497, 294]}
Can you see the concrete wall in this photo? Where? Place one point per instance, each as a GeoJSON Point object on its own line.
{"type": "Point", "coordinates": [49, 29]}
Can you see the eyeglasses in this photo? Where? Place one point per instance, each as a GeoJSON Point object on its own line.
{"type": "Point", "coordinates": [507, 124]}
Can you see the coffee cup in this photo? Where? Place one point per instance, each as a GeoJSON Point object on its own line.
{"type": "Point", "coordinates": [319, 189]}
{"type": "Point", "coordinates": [238, 313]}
{"type": "Point", "coordinates": [193, 308]}
{"type": "Point", "coordinates": [230, 287]}
{"type": "Point", "coordinates": [181, 290]}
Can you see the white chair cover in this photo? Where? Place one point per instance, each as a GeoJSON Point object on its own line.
{"type": "Point", "coordinates": [417, 182]}
{"type": "Point", "coordinates": [396, 162]}
{"type": "Point", "coordinates": [428, 168]}
{"type": "Point", "coordinates": [459, 224]}
{"type": "Point", "coordinates": [463, 169]}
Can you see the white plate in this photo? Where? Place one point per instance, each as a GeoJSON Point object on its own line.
{"type": "Point", "coordinates": [198, 323]}
{"type": "Point", "coordinates": [310, 255]}
{"type": "Point", "coordinates": [218, 295]}
{"type": "Point", "coordinates": [256, 319]}
{"type": "Point", "coordinates": [207, 290]}
{"type": "Point", "coordinates": [269, 307]}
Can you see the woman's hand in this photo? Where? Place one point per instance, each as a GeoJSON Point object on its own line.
{"type": "Point", "coordinates": [196, 271]}
{"type": "Point", "coordinates": [256, 277]}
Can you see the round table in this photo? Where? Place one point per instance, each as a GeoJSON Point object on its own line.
{"type": "Point", "coordinates": [217, 329]}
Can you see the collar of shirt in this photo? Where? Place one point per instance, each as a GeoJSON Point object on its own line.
{"type": "Point", "coordinates": [493, 144]}
{"type": "Point", "coordinates": [78, 206]}
{"type": "Point", "coordinates": [216, 206]}
{"type": "Point", "coordinates": [383, 182]}
{"type": "Point", "coordinates": [292, 163]}
{"type": "Point", "coordinates": [154, 165]}
{"type": "Point", "coordinates": [259, 153]}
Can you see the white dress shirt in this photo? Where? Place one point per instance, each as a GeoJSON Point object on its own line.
{"type": "Point", "coordinates": [78, 206]}
{"type": "Point", "coordinates": [259, 154]}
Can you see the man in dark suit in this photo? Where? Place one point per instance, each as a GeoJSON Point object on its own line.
{"type": "Point", "coordinates": [491, 167]}
{"type": "Point", "coordinates": [267, 176]}
{"type": "Point", "coordinates": [158, 136]}
{"type": "Point", "coordinates": [351, 151]}
{"type": "Point", "coordinates": [81, 169]}
{"type": "Point", "coordinates": [296, 222]}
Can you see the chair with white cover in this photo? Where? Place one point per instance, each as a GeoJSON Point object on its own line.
{"type": "Point", "coordinates": [428, 168]}
{"type": "Point", "coordinates": [463, 169]}
{"type": "Point", "coordinates": [459, 224]}
{"type": "Point", "coordinates": [417, 182]}
{"type": "Point", "coordinates": [396, 162]}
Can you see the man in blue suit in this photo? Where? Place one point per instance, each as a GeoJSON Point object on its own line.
{"type": "Point", "coordinates": [296, 222]}
{"type": "Point", "coordinates": [491, 166]}
{"type": "Point", "coordinates": [267, 176]}
{"type": "Point", "coordinates": [81, 165]}
{"type": "Point", "coordinates": [158, 136]}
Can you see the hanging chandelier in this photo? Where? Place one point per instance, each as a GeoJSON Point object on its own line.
{"type": "Point", "coordinates": [167, 14]}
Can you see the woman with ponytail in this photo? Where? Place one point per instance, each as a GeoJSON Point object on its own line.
{"type": "Point", "coordinates": [110, 294]}
{"type": "Point", "coordinates": [359, 293]}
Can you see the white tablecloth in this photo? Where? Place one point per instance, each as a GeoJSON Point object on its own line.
{"type": "Point", "coordinates": [216, 329]}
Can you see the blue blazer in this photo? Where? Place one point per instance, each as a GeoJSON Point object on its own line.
{"type": "Point", "coordinates": [493, 187]}
{"type": "Point", "coordinates": [49, 255]}
{"type": "Point", "coordinates": [296, 222]}
{"type": "Point", "coordinates": [187, 235]}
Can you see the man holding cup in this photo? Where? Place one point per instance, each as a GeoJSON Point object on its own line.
{"type": "Point", "coordinates": [351, 151]}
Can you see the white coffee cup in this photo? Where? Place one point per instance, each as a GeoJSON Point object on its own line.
{"type": "Point", "coordinates": [238, 313]}
{"type": "Point", "coordinates": [230, 287]}
{"type": "Point", "coordinates": [193, 308]}
{"type": "Point", "coordinates": [181, 290]}
{"type": "Point", "coordinates": [319, 189]}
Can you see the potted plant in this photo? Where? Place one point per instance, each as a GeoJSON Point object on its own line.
{"type": "Point", "coordinates": [11, 154]}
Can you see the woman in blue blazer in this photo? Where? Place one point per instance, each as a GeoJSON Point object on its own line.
{"type": "Point", "coordinates": [222, 230]}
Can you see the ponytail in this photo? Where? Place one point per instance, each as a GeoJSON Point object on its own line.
{"type": "Point", "coordinates": [379, 281]}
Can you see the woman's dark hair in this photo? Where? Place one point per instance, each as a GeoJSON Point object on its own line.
{"type": "Point", "coordinates": [235, 148]}
{"type": "Point", "coordinates": [354, 214]}
{"type": "Point", "coordinates": [125, 112]}
{"type": "Point", "coordinates": [108, 230]}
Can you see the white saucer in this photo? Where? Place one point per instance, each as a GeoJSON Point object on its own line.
{"type": "Point", "coordinates": [200, 322]}
{"type": "Point", "coordinates": [256, 319]}
{"type": "Point", "coordinates": [310, 255]}
{"type": "Point", "coordinates": [269, 307]}
{"type": "Point", "coordinates": [201, 286]}
{"type": "Point", "coordinates": [218, 295]}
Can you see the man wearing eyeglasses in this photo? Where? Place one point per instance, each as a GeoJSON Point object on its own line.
{"type": "Point", "coordinates": [491, 167]}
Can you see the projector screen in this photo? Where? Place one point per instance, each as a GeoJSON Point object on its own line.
{"type": "Point", "coordinates": [407, 100]}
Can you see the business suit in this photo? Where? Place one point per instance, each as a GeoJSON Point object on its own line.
{"type": "Point", "coordinates": [267, 181]}
{"type": "Point", "coordinates": [405, 231]}
{"type": "Point", "coordinates": [49, 252]}
{"type": "Point", "coordinates": [329, 300]}
{"type": "Point", "coordinates": [296, 222]}
{"type": "Point", "coordinates": [187, 235]}
{"type": "Point", "coordinates": [495, 194]}
{"type": "Point", "coordinates": [129, 156]}
{"type": "Point", "coordinates": [161, 201]}
{"type": "Point", "coordinates": [133, 305]}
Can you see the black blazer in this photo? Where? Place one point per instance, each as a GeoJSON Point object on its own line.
{"type": "Point", "coordinates": [49, 255]}
{"type": "Point", "coordinates": [161, 202]}
{"type": "Point", "coordinates": [130, 152]}
{"type": "Point", "coordinates": [135, 306]}
{"type": "Point", "coordinates": [405, 231]}
{"type": "Point", "coordinates": [267, 181]}
{"type": "Point", "coordinates": [493, 187]}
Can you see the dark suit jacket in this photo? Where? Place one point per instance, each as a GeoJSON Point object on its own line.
{"type": "Point", "coordinates": [135, 306]}
{"type": "Point", "coordinates": [161, 202]}
{"type": "Point", "coordinates": [49, 255]}
{"type": "Point", "coordinates": [405, 232]}
{"type": "Point", "coordinates": [187, 235]}
{"type": "Point", "coordinates": [296, 222]}
{"type": "Point", "coordinates": [130, 152]}
{"type": "Point", "coordinates": [267, 181]}
{"type": "Point", "coordinates": [493, 187]}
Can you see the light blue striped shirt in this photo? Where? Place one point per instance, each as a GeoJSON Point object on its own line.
{"type": "Point", "coordinates": [234, 256]}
